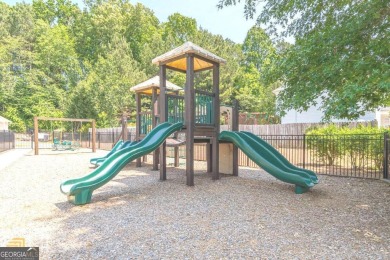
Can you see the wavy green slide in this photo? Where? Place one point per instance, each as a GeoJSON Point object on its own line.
{"type": "Point", "coordinates": [279, 158]}
{"type": "Point", "coordinates": [99, 161]}
{"type": "Point", "coordinates": [271, 160]}
{"type": "Point", "coordinates": [79, 191]}
{"type": "Point", "coordinates": [117, 146]}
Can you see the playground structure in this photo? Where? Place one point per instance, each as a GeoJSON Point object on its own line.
{"type": "Point", "coordinates": [195, 113]}
{"type": "Point", "coordinates": [197, 109]}
{"type": "Point", "coordinates": [62, 144]}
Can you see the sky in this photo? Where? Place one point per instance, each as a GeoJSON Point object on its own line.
{"type": "Point", "coordinates": [228, 22]}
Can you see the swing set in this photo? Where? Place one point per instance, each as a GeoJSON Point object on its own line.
{"type": "Point", "coordinates": [58, 143]}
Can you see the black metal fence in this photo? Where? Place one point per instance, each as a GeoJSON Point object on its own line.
{"type": "Point", "coordinates": [7, 140]}
{"type": "Point", "coordinates": [386, 158]}
{"type": "Point", "coordinates": [105, 140]}
{"type": "Point", "coordinates": [362, 156]}
{"type": "Point", "coordinates": [341, 155]}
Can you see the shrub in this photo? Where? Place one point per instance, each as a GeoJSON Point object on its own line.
{"type": "Point", "coordinates": [362, 145]}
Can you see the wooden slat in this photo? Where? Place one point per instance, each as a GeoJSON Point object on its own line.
{"type": "Point", "coordinates": [64, 119]}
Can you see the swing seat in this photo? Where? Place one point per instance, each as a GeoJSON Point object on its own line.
{"type": "Point", "coordinates": [56, 144]}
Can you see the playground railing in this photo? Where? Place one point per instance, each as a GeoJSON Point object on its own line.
{"type": "Point", "coordinates": [146, 122]}
{"type": "Point", "coordinates": [175, 108]}
{"type": "Point", "coordinates": [204, 103]}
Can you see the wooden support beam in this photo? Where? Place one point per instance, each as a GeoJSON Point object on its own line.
{"type": "Point", "coordinates": [163, 118]}
{"type": "Point", "coordinates": [215, 143]}
{"type": "Point", "coordinates": [209, 157]}
{"type": "Point", "coordinates": [235, 127]}
{"type": "Point", "coordinates": [36, 144]}
{"type": "Point", "coordinates": [93, 136]}
{"type": "Point", "coordinates": [138, 124]}
{"type": "Point", "coordinates": [124, 127]}
{"type": "Point", "coordinates": [154, 111]}
{"type": "Point", "coordinates": [189, 103]}
{"type": "Point", "coordinates": [64, 119]}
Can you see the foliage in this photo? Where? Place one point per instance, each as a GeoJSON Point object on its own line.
{"type": "Point", "coordinates": [362, 145]}
{"type": "Point", "coordinates": [252, 95]}
{"type": "Point", "coordinates": [341, 53]}
{"type": "Point", "coordinates": [258, 49]}
{"type": "Point", "coordinates": [60, 61]}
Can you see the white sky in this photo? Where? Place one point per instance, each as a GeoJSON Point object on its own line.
{"type": "Point", "coordinates": [228, 22]}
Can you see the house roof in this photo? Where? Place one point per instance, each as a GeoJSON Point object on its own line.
{"type": "Point", "coordinates": [176, 58]}
{"type": "Point", "coordinates": [277, 91]}
{"type": "Point", "coordinates": [4, 120]}
{"type": "Point", "coordinates": [147, 86]}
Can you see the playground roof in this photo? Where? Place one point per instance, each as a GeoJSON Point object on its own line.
{"type": "Point", "coordinates": [176, 58]}
{"type": "Point", "coordinates": [147, 86]}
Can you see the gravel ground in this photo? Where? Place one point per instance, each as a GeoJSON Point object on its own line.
{"type": "Point", "coordinates": [137, 216]}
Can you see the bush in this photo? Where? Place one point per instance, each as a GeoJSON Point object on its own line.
{"type": "Point", "coordinates": [363, 146]}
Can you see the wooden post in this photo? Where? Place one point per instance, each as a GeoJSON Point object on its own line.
{"type": "Point", "coordinates": [215, 141]}
{"type": "Point", "coordinates": [163, 118]}
{"type": "Point", "coordinates": [36, 144]}
{"type": "Point", "coordinates": [124, 127]}
{"type": "Point", "coordinates": [138, 124]}
{"type": "Point", "coordinates": [386, 156]}
{"type": "Point", "coordinates": [154, 124]}
{"type": "Point", "coordinates": [93, 136]}
{"type": "Point", "coordinates": [189, 103]}
{"type": "Point", "coordinates": [235, 127]}
{"type": "Point", "coordinates": [209, 157]}
{"type": "Point", "coordinates": [177, 158]}
{"type": "Point", "coordinates": [176, 152]}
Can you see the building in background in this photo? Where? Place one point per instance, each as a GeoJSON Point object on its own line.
{"type": "Point", "coordinates": [314, 115]}
{"type": "Point", "coordinates": [4, 122]}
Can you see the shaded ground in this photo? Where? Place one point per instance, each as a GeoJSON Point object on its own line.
{"type": "Point", "coordinates": [137, 216]}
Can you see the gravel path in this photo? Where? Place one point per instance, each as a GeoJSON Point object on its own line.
{"type": "Point", "coordinates": [137, 216]}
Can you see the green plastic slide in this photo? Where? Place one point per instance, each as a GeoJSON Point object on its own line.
{"type": "Point", "coordinates": [124, 145]}
{"type": "Point", "coordinates": [79, 191]}
{"type": "Point", "coordinates": [278, 157]}
{"type": "Point", "coordinates": [117, 146]}
{"type": "Point", "coordinates": [266, 159]}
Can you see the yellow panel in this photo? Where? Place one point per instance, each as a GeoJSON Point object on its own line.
{"type": "Point", "coordinates": [182, 65]}
{"type": "Point", "coordinates": [149, 92]}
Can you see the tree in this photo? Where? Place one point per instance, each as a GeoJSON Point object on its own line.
{"type": "Point", "coordinates": [106, 89]}
{"type": "Point", "coordinates": [57, 56]}
{"type": "Point", "coordinates": [144, 35]}
{"type": "Point", "coordinates": [258, 49]}
{"type": "Point", "coordinates": [56, 11]}
{"type": "Point", "coordinates": [179, 29]}
{"type": "Point", "coordinates": [227, 50]}
{"type": "Point", "coordinates": [341, 53]}
{"type": "Point", "coordinates": [252, 95]}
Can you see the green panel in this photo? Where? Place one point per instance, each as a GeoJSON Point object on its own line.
{"type": "Point", "coordinates": [146, 123]}
{"type": "Point", "coordinates": [175, 107]}
{"type": "Point", "coordinates": [204, 109]}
